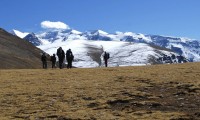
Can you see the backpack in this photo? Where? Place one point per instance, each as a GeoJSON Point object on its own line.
{"type": "Point", "coordinates": [108, 55]}
{"type": "Point", "coordinates": [72, 57]}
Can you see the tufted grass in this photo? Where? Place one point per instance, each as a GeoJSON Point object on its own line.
{"type": "Point", "coordinates": [169, 92]}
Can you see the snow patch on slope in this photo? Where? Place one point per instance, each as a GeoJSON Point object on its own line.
{"type": "Point", "coordinates": [19, 34]}
{"type": "Point", "coordinates": [121, 53]}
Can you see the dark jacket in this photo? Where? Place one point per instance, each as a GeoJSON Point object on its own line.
{"type": "Point", "coordinates": [106, 56]}
{"type": "Point", "coordinates": [69, 55]}
{"type": "Point", "coordinates": [60, 53]}
{"type": "Point", "coordinates": [53, 58]}
{"type": "Point", "coordinates": [43, 58]}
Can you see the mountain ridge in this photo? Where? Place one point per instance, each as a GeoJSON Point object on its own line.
{"type": "Point", "coordinates": [17, 53]}
{"type": "Point", "coordinates": [188, 48]}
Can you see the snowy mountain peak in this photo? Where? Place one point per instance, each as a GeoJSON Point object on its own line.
{"type": "Point", "coordinates": [19, 34]}
{"type": "Point", "coordinates": [75, 32]}
{"type": "Point", "coordinates": [101, 32]}
{"type": "Point", "coordinates": [33, 39]}
{"type": "Point", "coordinates": [183, 46]}
{"type": "Point", "coordinates": [185, 40]}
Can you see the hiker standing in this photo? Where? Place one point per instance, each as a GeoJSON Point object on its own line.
{"type": "Point", "coordinates": [53, 61]}
{"type": "Point", "coordinates": [69, 58]}
{"type": "Point", "coordinates": [106, 57]}
{"type": "Point", "coordinates": [61, 57]}
{"type": "Point", "coordinates": [44, 61]}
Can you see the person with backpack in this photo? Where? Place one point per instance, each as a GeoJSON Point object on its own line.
{"type": "Point", "coordinates": [106, 57]}
{"type": "Point", "coordinates": [61, 57]}
{"type": "Point", "coordinates": [44, 61]}
{"type": "Point", "coordinates": [69, 58]}
{"type": "Point", "coordinates": [53, 61]}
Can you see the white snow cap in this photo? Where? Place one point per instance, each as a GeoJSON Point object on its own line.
{"type": "Point", "coordinates": [20, 34]}
{"type": "Point", "coordinates": [102, 32]}
{"type": "Point", "coordinates": [54, 25]}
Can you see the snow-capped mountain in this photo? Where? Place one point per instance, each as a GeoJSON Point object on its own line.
{"type": "Point", "coordinates": [18, 33]}
{"type": "Point", "coordinates": [97, 35]}
{"type": "Point", "coordinates": [54, 35]}
{"type": "Point", "coordinates": [187, 47]}
{"type": "Point", "coordinates": [33, 39]}
{"type": "Point", "coordinates": [183, 46]}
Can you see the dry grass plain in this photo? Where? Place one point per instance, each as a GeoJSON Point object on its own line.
{"type": "Point", "coordinates": [164, 92]}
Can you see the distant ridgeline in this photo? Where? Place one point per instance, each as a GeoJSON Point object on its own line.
{"type": "Point", "coordinates": [187, 49]}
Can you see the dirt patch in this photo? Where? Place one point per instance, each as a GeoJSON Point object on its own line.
{"type": "Point", "coordinates": [166, 97]}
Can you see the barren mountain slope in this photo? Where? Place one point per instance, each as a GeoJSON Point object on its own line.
{"type": "Point", "coordinates": [17, 53]}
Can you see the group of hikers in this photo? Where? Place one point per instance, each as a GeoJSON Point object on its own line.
{"type": "Point", "coordinates": [69, 58]}
{"type": "Point", "coordinates": [61, 57]}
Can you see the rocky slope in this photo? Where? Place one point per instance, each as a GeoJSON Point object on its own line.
{"type": "Point", "coordinates": [17, 53]}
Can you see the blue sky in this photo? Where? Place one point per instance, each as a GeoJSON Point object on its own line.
{"type": "Point", "coordinates": [180, 18]}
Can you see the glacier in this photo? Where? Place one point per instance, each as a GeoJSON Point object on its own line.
{"type": "Point", "coordinates": [126, 48]}
{"type": "Point", "coordinates": [89, 53]}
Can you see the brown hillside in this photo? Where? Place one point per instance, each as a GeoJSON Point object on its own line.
{"type": "Point", "coordinates": [17, 53]}
{"type": "Point", "coordinates": [158, 92]}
